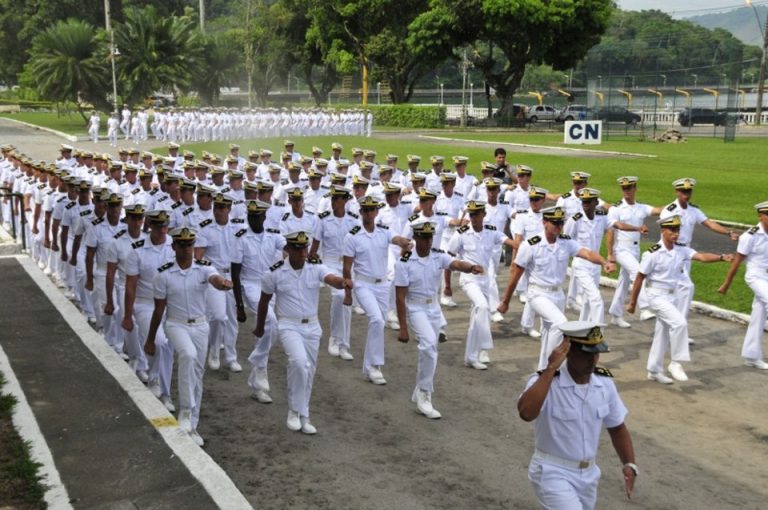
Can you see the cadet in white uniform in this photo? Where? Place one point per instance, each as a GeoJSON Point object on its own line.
{"type": "Point", "coordinates": [296, 287]}
{"type": "Point", "coordinates": [569, 406]}
{"type": "Point", "coordinates": [417, 282]}
{"type": "Point", "coordinates": [570, 200]}
{"type": "Point", "coordinates": [545, 259]}
{"type": "Point", "coordinates": [753, 247]}
{"type": "Point", "coordinates": [661, 268]}
{"type": "Point", "coordinates": [180, 288]}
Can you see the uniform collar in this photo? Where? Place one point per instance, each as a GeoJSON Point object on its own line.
{"type": "Point", "coordinates": [567, 381]}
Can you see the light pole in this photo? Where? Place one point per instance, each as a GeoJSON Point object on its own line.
{"type": "Point", "coordinates": [664, 80]}
{"type": "Point", "coordinates": [378, 92]}
{"type": "Point", "coordinates": [471, 96]}
{"type": "Point", "coordinates": [761, 76]}
{"type": "Point", "coordinates": [112, 53]}
{"type": "Point", "coordinates": [695, 80]}
{"type": "Point", "coordinates": [442, 93]}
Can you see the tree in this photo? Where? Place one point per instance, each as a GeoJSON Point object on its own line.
{"type": "Point", "coordinates": [66, 64]}
{"type": "Point", "coordinates": [219, 60]}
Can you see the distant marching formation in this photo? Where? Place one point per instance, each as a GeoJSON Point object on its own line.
{"type": "Point", "coordinates": [166, 255]}
{"type": "Point", "coordinates": [216, 124]}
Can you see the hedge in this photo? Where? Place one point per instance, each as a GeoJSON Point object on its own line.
{"type": "Point", "coordinates": [25, 104]}
{"type": "Point", "coordinates": [408, 116]}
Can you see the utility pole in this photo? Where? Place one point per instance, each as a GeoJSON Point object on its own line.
{"type": "Point", "coordinates": [761, 79]}
{"type": "Point", "coordinates": [202, 16]}
{"type": "Point", "coordinates": [112, 53]}
{"type": "Point", "coordinates": [464, 67]}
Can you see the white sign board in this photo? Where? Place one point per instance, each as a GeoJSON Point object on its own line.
{"type": "Point", "coordinates": [583, 132]}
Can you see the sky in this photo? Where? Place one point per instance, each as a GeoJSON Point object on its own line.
{"type": "Point", "coordinates": [684, 8]}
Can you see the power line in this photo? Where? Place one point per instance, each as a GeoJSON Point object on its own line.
{"type": "Point", "coordinates": [712, 9]}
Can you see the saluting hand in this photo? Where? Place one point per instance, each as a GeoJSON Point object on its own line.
{"type": "Point", "coordinates": [557, 357]}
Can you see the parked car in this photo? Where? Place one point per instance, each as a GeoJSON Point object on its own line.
{"type": "Point", "coordinates": [517, 119]}
{"type": "Point", "coordinates": [691, 116]}
{"type": "Point", "coordinates": [541, 112]}
{"type": "Point", "coordinates": [574, 112]}
{"type": "Point", "coordinates": [617, 114]}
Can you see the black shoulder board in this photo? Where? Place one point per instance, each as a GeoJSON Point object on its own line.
{"type": "Point", "coordinates": [438, 250]}
{"type": "Point", "coordinates": [534, 240]}
{"type": "Point", "coordinates": [237, 220]}
{"type": "Point", "coordinates": [354, 215]}
{"type": "Point", "coordinates": [85, 213]}
{"type": "Point", "coordinates": [441, 213]}
{"type": "Point", "coordinates": [61, 198]}
{"type": "Point", "coordinates": [522, 211]}
{"type": "Point", "coordinates": [406, 256]}
{"type": "Point", "coordinates": [324, 214]}
{"type": "Point", "coordinates": [188, 211]}
{"type": "Point", "coordinates": [69, 205]}
{"type": "Point", "coordinates": [463, 229]}
{"type": "Point", "coordinates": [557, 372]}
{"type": "Point", "coordinates": [413, 218]}
{"type": "Point", "coordinates": [326, 195]}
{"type": "Point", "coordinates": [564, 236]}
{"type": "Point", "coordinates": [310, 212]}
{"type": "Point", "coordinates": [578, 216]}
{"type": "Point", "coordinates": [241, 232]}
{"type": "Point", "coordinates": [672, 206]}
{"type": "Point", "coordinates": [206, 222]}
{"type": "Point", "coordinates": [162, 199]}
{"type": "Point", "coordinates": [97, 221]}
{"type": "Point", "coordinates": [225, 189]}
{"type": "Point", "coordinates": [566, 195]}
{"type": "Point", "coordinates": [693, 205]}
{"type": "Point", "coordinates": [601, 212]}
{"type": "Point", "coordinates": [201, 262]}
{"type": "Point", "coordinates": [381, 225]}
{"type": "Point", "coordinates": [618, 203]}
{"type": "Point", "coordinates": [41, 186]}
{"type": "Point", "coordinates": [285, 216]}
{"type": "Point", "coordinates": [458, 194]}
{"type": "Point", "coordinates": [654, 248]}
{"type": "Point", "coordinates": [137, 244]}
{"type": "Point", "coordinates": [136, 190]}
{"type": "Point", "coordinates": [406, 202]}
{"type": "Point", "coordinates": [603, 371]}
{"type": "Point", "coordinates": [273, 230]}
{"type": "Point", "coordinates": [314, 260]}
{"type": "Point", "coordinates": [279, 204]}
{"type": "Point", "coordinates": [504, 202]}
{"type": "Point", "coordinates": [283, 181]}
{"type": "Point", "coordinates": [164, 267]}
{"type": "Point", "coordinates": [276, 265]}
{"type": "Point", "coordinates": [119, 234]}
{"type": "Point", "coordinates": [177, 205]}
{"type": "Point", "coordinates": [753, 230]}
{"type": "Point", "coordinates": [680, 244]}
{"type": "Point", "coordinates": [355, 230]}
{"type": "Point", "coordinates": [489, 227]}
{"type": "Point", "coordinates": [154, 191]}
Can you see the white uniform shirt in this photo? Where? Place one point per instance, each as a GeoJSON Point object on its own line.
{"type": "Point", "coordinates": [256, 252]}
{"type": "Point", "coordinates": [664, 268]}
{"type": "Point", "coordinates": [291, 223]}
{"type": "Point", "coordinates": [518, 198]}
{"type": "Point", "coordinates": [497, 215]}
{"type": "Point", "coordinates": [331, 231]}
{"type": "Point", "coordinates": [100, 236]}
{"type": "Point", "coordinates": [297, 292]}
{"type": "Point", "coordinates": [570, 201]}
{"type": "Point", "coordinates": [690, 217]}
{"type": "Point", "coordinates": [570, 421]}
{"type": "Point", "coordinates": [634, 215]}
{"type": "Point", "coordinates": [144, 260]}
{"type": "Point", "coordinates": [369, 250]}
{"type": "Point", "coordinates": [476, 247]}
{"type": "Point", "coordinates": [183, 289]}
{"type": "Point", "coordinates": [422, 275]}
{"type": "Point", "coordinates": [119, 249]}
{"type": "Point", "coordinates": [753, 244]}
{"type": "Point", "coordinates": [546, 263]}
{"type": "Point", "coordinates": [218, 241]}
{"type": "Point", "coordinates": [527, 224]}
{"type": "Point", "coordinates": [439, 219]}
{"type": "Point", "coordinates": [588, 233]}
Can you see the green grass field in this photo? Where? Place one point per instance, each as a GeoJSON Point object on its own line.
{"type": "Point", "coordinates": [70, 123]}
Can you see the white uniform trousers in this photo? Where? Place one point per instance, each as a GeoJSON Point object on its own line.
{"type": "Point", "coordinates": [425, 320]}
{"type": "Point", "coordinates": [563, 488]}
{"type": "Point", "coordinates": [222, 321]}
{"type": "Point", "coordinates": [476, 287]}
{"type": "Point", "coordinates": [549, 304]}
{"type": "Point", "coordinates": [629, 267]}
{"type": "Point", "coordinates": [161, 364]}
{"type": "Point", "coordinates": [685, 289]}
{"type": "Point", "coordinates": [259, 356]}
{"type": "Point", "coordinates": [493, 270]}
{"type": "Point", "coordinates": [190, 341]}
{"type": "Point", "coordinates": [134, 344]}
{"type": "Point", "coordinates": [373, 298]}
{"type": "Point", "coordinates": [671, 328]}
{"type": "Point", "coordinates": [341, 315]}
{"type": "Point", "coordinates": [301, 343]}
{"type": "Point", "coordinates": [588, 277]}
{"type": "Point", "coordinates": [753, 345]}
{"type": "Point", "coordinates": [83, 296]}
{"type": "Point", "coordinates": [112, 331]}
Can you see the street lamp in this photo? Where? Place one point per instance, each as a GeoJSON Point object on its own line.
{"type": "Point", "coordinates": [761, 77]}
{"type": "Point", "coordinates": [471, 96]}
{"type": "Point", "coordinates": [113, 52]}
{"type": "Point", "coordinates": [378, 92]}
{"type": "Point", "coordinates": [442, 93]}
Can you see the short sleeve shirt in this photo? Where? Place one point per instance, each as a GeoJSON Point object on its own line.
{"type": "Point", "coordinates": [546, 263]}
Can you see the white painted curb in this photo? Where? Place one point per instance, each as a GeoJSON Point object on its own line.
{"type": "Point", "coordinates": [208, 473]}
{"type": "Point", "coordinates": [56, 496]}
{"type": "Point", "coordinates": [71, 138]}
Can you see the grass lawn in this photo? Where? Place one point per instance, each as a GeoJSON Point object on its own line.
{"type": "Point", "coordinates": [72, 124]}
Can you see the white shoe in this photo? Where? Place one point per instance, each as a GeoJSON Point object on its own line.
{"type": "Point", "coordinates": [691, 341]}
{"type": "Point", "coordinates": [258, 379]}
{"type": "Point", "coordinates": [185, 420]}
{"type": "Point", "coordinates": [261, 396]}
{"type": "Point", "coordinates": [375, 376]}
{"type": "Point", "coordinates": [424, 405]}
{"type": "Point", "coordinates": [70, 295]}
{"type": "Point", "coordinates": [92, 321]}
{"type": "Point", "coordinates": [483, 357]}
{"type": "Point", "coordinates": [41, 265]}
{"type": "Point", "coordinates": [620, 322]}
{"type": "Point", "coordinates": [448, 301]}
{"type": "Point", "coordinates": [523, 298]}
{"type": "Point", "coordinates": [197, 438]}
{"type": "Point", "coordinates": [47, 271]}
{"type": "Point", "coordinates": [142, 375]}
{"type": "Point", "coordinates": [214, 362]}
{"type": "Point", "coordinates": [168, 403]}
{"type": "Point", "coordinates": [234, 366]}
{"type": "Point", "coordinates": [154, 388]}
{"type": "Point", "coordinates": [293, 422]}
{"type": "Point", "coordinates": [345, 354]}
{"type": "Point", "coordinates": [677, 372]}
{"type": "Point", "coordinates": [393, 325]}
{"type": "Point", "coordinates": [531, 332]}
{"type": "Point", "coordinates": [333, 348]}
{"type": "Point", "coordinates": [660, 378]}
{"type": "Point", "coordinates": [646, 315]}
{"type": "Point", "coordinates": [307, 427]}
{"type": "Point", "coordinates": [358, 310]}
{"type": "Point", "coordinates": [496, 317]}
{"type": "Point", "coordinates": [756, 363]}
{"type": "Point", "coordinates": [476, 365]}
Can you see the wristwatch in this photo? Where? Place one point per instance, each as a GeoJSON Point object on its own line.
{"type": "Point", "coordinates": [633, 467]}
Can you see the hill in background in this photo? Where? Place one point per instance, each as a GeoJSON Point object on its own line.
{"type": "Point", "coordinates": [740, 22]}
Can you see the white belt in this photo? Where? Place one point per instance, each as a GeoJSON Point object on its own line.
{"type": "Point", "coordinates": [368, 279]}
{"type": "Point", "coordinates": [533, 286]}
{"type": "Point", "coordinates": [298, 320]}
{"type": "Point", "coordinates": [195, 320]}
{"type": "Point", "coordinates": [420, 301]}
{"type": "Point", "coordinates": [554, 459]}
{"type": "Point", "coordinates": [658, 288]}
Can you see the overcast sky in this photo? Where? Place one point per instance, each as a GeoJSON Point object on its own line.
{"type": "Point", "coordinates": [683, 8]}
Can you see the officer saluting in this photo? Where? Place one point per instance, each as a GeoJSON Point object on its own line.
{"type": "Point", "coordinates": [575, 402]}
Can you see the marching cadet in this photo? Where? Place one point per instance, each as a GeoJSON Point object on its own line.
{"type": "Point", "coordinates": [214, 243]}
{"type": "Point", "coordinates": [545, 258]}
{"type": "Point", "coordinates": [624, 247]}
{"type": "Point", "coordinates": [570, 401]}
{"type": "Point", "coordinates": [296, 287]}
{"type": "Point", "coordinates": [256, 248]}
{"type": "Point", "coordinates": [464, 181]}
{"type": "Point", "coordinates": [393, 215]}
{"type": "Point", "coordinates": [328, 238]}
{"type": "Point", "coordinates": [203, 208]}
{"type": "Point", "coordinates": [433, 177]}
{"type": "Point", "coordinates": [498, 214]}
{"type": "Point", "coordinates": [661, 268]}
{"type": "Point", "coordinates": [475, 243]}
{"type": "Point", "coordinates": [181, 210]}
{"type": "Point", "coordinates": [570, 201]}
{"type": "Point", "coordinates": [180, 288]}
{"type": "Point", "coordinates": [117, 255]}
{"type": "Point", "coordinates": [365, 251]}
{"type": "Point", "coordinates": [296, 218]}
{"type": "Point", "coordinates": [417, 277]}
{"type": "Point", "coordinates": [235, 190]}
{"type": "Point", "coordinates": [140, 270]}
{"type": "Point", "coordinates": [691, 216]}
{"type": "Point", "coordinates": [753, 247]}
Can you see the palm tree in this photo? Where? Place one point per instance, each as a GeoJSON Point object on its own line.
{"type": "Point", "coordinates": [220, 61]}
{"type": "Point", "coordinates": [66, 64]}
